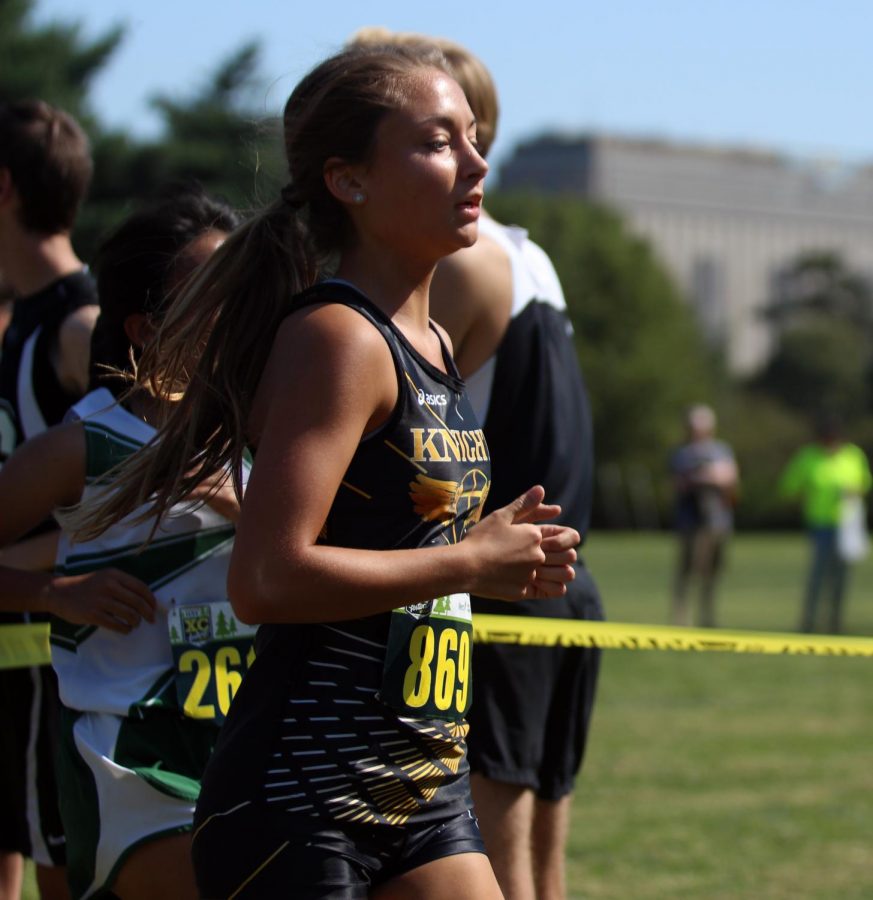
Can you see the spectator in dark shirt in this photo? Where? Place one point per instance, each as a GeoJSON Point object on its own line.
{"type": "Point", "coordinates": [705, 479]}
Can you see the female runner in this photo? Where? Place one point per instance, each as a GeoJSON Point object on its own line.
{"type": "Point", "coordinates": [341, 771]}
{"type": "Point", "coordinates": [132, 745]}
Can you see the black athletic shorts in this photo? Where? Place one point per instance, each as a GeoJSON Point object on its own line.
{"type": "Point", "coordinates": [239, 854]}
{"type": "Point", "coordinates": [30, 821]}
{"type": "Point", "coordinates": [532, 705]}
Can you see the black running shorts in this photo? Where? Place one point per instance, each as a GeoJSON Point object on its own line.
{"type": "Point", "coordinates": [532, 705]}
{"type": "Point", "coordinates": [30, 821]}
{"type": "Point", "coordinates": [239, 854]}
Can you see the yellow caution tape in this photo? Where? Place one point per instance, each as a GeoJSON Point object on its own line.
{"type": "Point", "coordinates": [27, 645]}
{"type": "Point", "coordinates": [618, 635]}
{"type": "Point", "coordinates": [24, 645]}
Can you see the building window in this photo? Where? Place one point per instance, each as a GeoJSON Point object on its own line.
{"type": "Point", "coordinates": [708, 296]}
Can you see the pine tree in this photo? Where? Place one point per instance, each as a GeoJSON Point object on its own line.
{"type": "Point", "coordinates": [221, 629]}
{"type": "Point", "coordinates": [216, 134]}
{"type": "Point", "coordinates": [52, 62]}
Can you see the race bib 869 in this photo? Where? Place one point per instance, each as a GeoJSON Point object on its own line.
{"type": "Point", "coordinates": [427, 666]}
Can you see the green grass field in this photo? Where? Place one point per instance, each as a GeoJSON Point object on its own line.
{"type": "Point", "coordinates": [724, 776]}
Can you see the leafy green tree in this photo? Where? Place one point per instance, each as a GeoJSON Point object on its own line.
{"type": "Point", "coordinates": [816, 284]}
{"type": "Point", "coordinates": [821, 365]}
{"type": "Point", "coordinates": [212, 136]}
{"type": "Point", "coordinates": [216, 134]}
{"type": "Point", "coordinates": [763, 433]}
{"type": "Point", "coordinates": [822, 315]}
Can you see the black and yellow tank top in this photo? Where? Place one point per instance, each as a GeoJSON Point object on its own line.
{"type": "Point", "coordinates": [363, 720]}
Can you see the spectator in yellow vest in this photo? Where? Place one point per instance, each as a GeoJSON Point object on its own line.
{"type": "Point", "coordinates": [826, 475]}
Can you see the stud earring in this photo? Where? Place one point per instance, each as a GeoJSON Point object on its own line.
{"type": "Point", "coordinates": [359, 198]}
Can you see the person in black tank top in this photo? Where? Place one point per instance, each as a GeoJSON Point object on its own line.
{"type": "Point", "coordinates": [44, 362]}
{"type": "Point", "coordinates": [45, 169]}
{"type": "Point", "coordinates": [341, 771]}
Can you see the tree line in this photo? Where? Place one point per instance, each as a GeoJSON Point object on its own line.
{"type": "Point", "coordinates": [640, 348]}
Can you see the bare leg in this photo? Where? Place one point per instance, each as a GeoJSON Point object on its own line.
{"type": "Point", "coordinates": [160, 868]}
{"type": "Point", "coordinates": [52, 882]}
{"type": "Point", "coordinates": [465, 876]}
{"type": "Point", "coordinates": [505, 813]}
{"type": "Point", "coordinates": [550, 829]}
{"type": "Point", "coordinates": [11, 875]}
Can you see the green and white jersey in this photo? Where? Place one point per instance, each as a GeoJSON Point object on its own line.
{"type": "Point", "coordinates": [185, 566]}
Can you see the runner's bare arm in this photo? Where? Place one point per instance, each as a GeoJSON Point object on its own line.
{"type": "Point", "coordinates": [45, 473]}
{"type": "Point", "coordinates": [35, 554]}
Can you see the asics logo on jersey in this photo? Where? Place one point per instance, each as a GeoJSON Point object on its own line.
{"type": "Point", "coordinates": [431, 399]}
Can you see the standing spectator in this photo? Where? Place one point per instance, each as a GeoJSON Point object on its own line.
{"type": "Point", "coordinates": [502, 304]}
{"type": "Point", "coordinates": [824, 475]}
{"type": "Point", "coordinates": [45, 169]}
{"type": "Point", "coordinates": [705, 479]}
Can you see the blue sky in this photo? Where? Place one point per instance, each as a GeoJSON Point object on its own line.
{"type": "Point", "coordinates": [792, 76]}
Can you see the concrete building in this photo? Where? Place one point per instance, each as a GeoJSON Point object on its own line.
{"type": "Point", "coordinates": [725, 221]}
